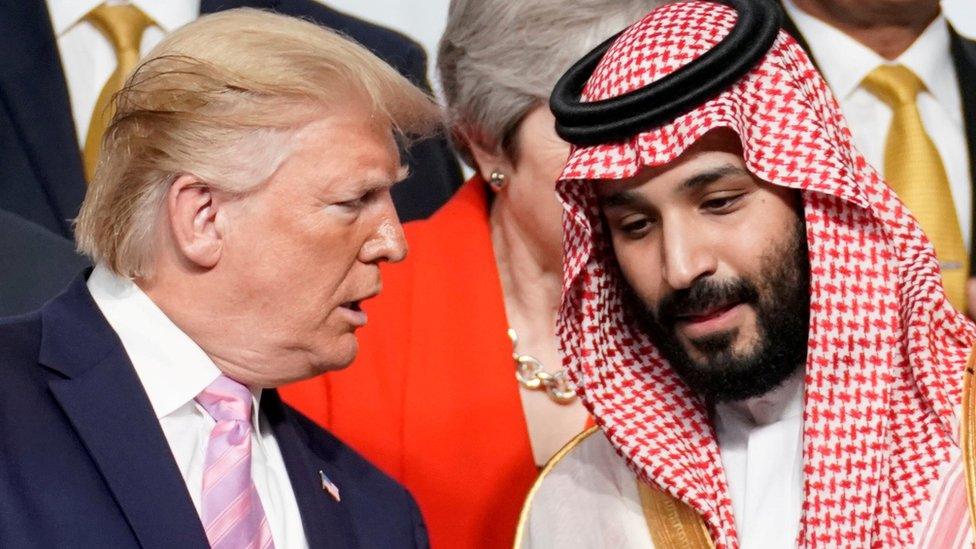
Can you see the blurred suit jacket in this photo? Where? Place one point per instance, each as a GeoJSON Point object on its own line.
{"type": "Point", "coordinates": [963, 52]}
{"type": "Point", "coordinates": [41, 177]}
{"type": "Point", "coordinates": [37, 264]}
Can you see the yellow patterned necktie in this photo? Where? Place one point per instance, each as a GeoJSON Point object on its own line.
{"type": "Point", "coordinates": [123, 25]}
{"type": "Point", "coordinates": [913, 168]}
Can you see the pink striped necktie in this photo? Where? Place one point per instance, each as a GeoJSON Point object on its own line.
{"type": "Point", "coordinates": [232, 513]}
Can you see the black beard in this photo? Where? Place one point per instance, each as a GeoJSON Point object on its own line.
{"type": "Point", "coordinates": [781, 298]}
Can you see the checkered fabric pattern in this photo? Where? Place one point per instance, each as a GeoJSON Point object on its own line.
{"type": "Point", "coordinates": [886, 350]}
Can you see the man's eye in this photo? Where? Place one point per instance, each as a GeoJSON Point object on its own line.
{"type": "Point", "coordinates": [354, 204]}
{"type": "Point", "coordinates": [635, 227]}
{"type": "Point", "coordinates": [722, 203]}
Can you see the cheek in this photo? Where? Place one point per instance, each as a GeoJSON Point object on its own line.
{"type": "Point", "coordinates": [327, 263]}
{"type": "Point", "coordinates": [745, 254]}
{"type": "Point", "coordinates": [640, 269]}
{"type": "Point", "coordinates": [764, 234]}
{"type": "Point", "coordinates": [332, 265]}
{"type": "Point", "coordinates": [301, 265]}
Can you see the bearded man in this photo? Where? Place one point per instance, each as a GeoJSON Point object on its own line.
{"type": "Point", "coordinates": [753, 318]}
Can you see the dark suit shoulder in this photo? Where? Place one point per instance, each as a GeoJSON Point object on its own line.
{"type": "Point", "coordinates": [20, 341]}
{"type": "Point", "coordinates": [365, 488]}
{"type": "Point", "coordinates": [334, 450]}
{"type": "Point", "coordinates": [24, 379]}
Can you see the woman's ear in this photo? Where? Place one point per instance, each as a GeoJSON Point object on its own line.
{"type": "Point", "coordinates": [193, 215]}
{"type": "Point", "coordinates": [487, 159]}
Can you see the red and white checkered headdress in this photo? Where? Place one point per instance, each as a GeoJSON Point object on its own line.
{"type": "Point", "coordinates": [886, 350]}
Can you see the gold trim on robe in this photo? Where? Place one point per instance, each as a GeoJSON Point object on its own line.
{"type": "Point", "coordinates": [675, 525]}
{"type": "Point", "coordinates": [968, 428]}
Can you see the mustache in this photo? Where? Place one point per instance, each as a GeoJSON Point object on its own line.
{"type": "Point", "coordinates": [705, 295]}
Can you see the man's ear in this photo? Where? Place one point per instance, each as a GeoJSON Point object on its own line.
{"type": "Point", "coordinates": [193, 216]}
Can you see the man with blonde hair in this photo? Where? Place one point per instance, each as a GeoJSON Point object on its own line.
{"type": "Point", "coordinates": [238, 216]}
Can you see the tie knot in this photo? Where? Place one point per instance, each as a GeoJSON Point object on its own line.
{"type": "Point", "coordinates": [226, 400]}
{"type": "Point", "coordinates": [896, 85]}
{"type": "Point", "coordinates": [122, 24]}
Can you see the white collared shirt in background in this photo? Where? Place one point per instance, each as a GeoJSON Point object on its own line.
{"type": "Point", "coordinates": [174, 370]}
{"type": "Point", "coordinates": [844, 62]}
{"type": "Point", "coordinates": [761, 442]}
{"type": "Point", "coordinates": [88, 57]}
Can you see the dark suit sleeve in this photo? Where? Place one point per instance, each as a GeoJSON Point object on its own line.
{"type": "Point", "coordinates": [419, 526]}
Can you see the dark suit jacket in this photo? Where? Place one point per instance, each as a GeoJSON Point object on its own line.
{"type": "Point", "coordinates": [41, 177]}
{"type": "Point", "coordinates": [84, 462]}
{"type": "Point", "coordinates": [963, 54]}
{"type": "Point", "coordinates": [36, 264]}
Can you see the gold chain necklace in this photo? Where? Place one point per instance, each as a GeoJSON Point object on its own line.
{"type": "Point", "coordinates": [529, 373]}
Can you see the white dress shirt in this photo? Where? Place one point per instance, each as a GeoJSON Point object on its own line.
{"type": "Point", "coordinates": [844, 62]}
{"type": "Point", "coordinates": [174, 370]}
{"type": "Point", "coordinates": [761, 442]}
{"type": "Point", "coordinates": [589, 498]}
{"type": "Point", "coordinates": [88, 57]}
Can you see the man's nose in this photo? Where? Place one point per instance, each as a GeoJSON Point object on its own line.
{"type": "Point", "coordinates": [687, 255]}
{"type": "Point", "coordinates": [387, 242]}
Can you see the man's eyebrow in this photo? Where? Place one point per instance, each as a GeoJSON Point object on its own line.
{"type": "Point", "coordinates": [710, 176]}
{"type": "Point", "coordinates": [622, 198]}
{"type": "Point", "coordinates": [628, 197]}
{"type": "Point", "coordinates": [371, 184]}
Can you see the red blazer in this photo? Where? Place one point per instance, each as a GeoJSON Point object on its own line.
{"type": "Point", "coordinates": [432, 397]}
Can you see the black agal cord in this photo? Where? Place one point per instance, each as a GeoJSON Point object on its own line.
{"type": "Point", "coordinates": [617, 118]}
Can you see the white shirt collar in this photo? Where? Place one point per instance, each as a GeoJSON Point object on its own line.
{"type": "Point", "coordinates": [173, 369]}
{"type": "Point", "coordinates": [169, 15]}
{"type": "Point", "coordinates": [929, 58]}
{"type": "Point", "coordinates": [844, 62]}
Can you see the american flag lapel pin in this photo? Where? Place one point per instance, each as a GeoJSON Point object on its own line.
{"type": "Point", "coordinates": [329, 486]}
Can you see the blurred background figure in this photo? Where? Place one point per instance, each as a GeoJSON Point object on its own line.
{"type": "Point", "coordinates": [906, 82]}
{"type": "Point", "coordinates": [434, 397]}
{"type": "Point", "coordinates": [37, 264]}
{"type": "Point", "coordinates": [63, 59]}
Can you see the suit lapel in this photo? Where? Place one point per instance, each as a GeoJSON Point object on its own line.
{"type": "Point", "coordinates": [32, 86]}
{"type": "Point", "coordinates": [326, 521]}
{"type": "Point", "coordinates": [964, 58]}
{"type": "Point", "coordinates": [106, 404]}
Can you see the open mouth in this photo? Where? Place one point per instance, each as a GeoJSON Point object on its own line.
{"type": "Point", "coordinates": [352, 305]}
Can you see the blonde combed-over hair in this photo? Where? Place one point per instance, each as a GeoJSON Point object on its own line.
{"type": "Point", "coordinates": [220, 99]}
